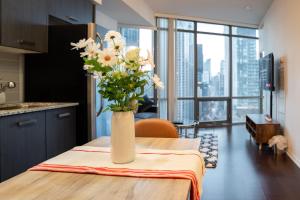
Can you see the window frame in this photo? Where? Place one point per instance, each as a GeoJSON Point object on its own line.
{"type": "Point", "coordinates": [229, 99]}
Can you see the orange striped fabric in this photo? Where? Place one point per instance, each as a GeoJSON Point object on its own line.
{"type": "Point", "coordinates": [181, 174]}
{"type": "Point", "coordinates": [59, 164]}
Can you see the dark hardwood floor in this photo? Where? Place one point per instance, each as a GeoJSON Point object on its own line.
{"type": "Point", "coordinates": [244, 173]}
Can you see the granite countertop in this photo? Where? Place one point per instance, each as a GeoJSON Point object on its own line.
{"type": "Point", "coordinates": [20, 108]}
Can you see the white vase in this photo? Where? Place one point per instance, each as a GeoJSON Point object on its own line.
{"type": "Point", "coordinates": [122, 137]}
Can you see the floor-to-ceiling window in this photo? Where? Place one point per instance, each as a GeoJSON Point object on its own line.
{"type": "Point", "coordinates": [184, 70]}
{"type": "Point", "coordinates": [216, 71]}
{"type": "Point", "coordinates": [213, 59]}
{"type": "Point", "coordinates": [245, 73]}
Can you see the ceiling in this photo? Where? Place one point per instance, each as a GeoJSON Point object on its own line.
{"type": "Point", "coordinates": [124, 13]}
{"type": "Point", "coordinates": [248, 12]}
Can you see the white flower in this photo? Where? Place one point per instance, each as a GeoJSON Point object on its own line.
{"type": "Point", "coordinates": [82, 43]}
{"type": "Point", "coordinates": [148, 61]}
{"type": "Point", "coordinates": [132, 55]}
{"type": "Point", "coordinates": [117, 45]}
{"type": "Point", "coordinates": [156, 80]}
{"type": "Point", "coordinates": [107, 58]}
{"type": "Point", "coordinates": [112, 35]}
{"type": "Point", "coordinates": [91, 51]}
{"type": "Point", "coordinates": [87, 67]}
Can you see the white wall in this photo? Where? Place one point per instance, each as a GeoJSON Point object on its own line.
{"type": "Point", "coordinates": [106, 21]}
{"type": "Point", "coordinates": [281, 34]}
{"type": "Point", "coordinates": [11, 69]}
{"type": "Point", "coordinates": [143, 9]}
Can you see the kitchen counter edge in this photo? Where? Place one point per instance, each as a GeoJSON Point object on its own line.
{"type": "Point", "coordinates": [5, 113]}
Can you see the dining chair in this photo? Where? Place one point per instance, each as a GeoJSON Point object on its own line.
{"type": "Point", "coordinates": [155, 128]}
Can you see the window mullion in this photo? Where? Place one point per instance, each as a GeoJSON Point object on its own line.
{"type": "Point", "coordinates": [230, 76]}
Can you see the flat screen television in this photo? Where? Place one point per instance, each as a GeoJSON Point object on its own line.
{"type": "Point", "coordinates": [266, 65]}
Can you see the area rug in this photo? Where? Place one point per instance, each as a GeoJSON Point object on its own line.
{"type": "Point", "coordinates": [209, 149]}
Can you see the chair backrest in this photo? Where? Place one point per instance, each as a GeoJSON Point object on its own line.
{"type": "Point", "coordinates": [155, 128]}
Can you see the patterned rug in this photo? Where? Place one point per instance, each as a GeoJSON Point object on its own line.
{"type": "Point", "coordinates": [209, 149]}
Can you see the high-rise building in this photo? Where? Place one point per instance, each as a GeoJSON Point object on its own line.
{"type": "Point", "coordinates": [131, 36]}
{"type": "Point", "coordinates": [222, 79]}
{"type": "Point", "coordinates": [246, 77]}
{"type": "Point", "coordinates": [184, 60]}
{"type": "Point", "coordinates": [199, 62]}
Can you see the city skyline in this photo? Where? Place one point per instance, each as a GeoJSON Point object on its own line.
{"type": "Point", "coordinates": [213, 75]}
{"type": "Point", "coordinates": [212, 78]}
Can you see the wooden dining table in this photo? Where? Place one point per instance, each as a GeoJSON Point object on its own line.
{"type": "Point", "coordinates": [33, 185]}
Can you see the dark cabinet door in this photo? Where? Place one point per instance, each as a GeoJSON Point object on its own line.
{"type": "Point", "coordinates": [60, 130]}
{"type": "Point", "coordinates": [24, 24]}
{"type": "Point", "coordinates": [84, 11]}
{"type": "Point", "coordinates": [72, 11]}
{"type": "Point", "coordinates": [22, 140]}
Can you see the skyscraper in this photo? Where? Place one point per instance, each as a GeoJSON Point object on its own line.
{"type": "Point", "coordinates": [131, 36]}
{"type": "Point", "coordinates": [246, 74]}
{"type": "Point", "coordinates": [200, 62]}
{"type": "Point", "coordinates": [184, 60]}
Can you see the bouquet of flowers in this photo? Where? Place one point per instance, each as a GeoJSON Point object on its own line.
{"type": "Point", "coordinates": [122, 74]}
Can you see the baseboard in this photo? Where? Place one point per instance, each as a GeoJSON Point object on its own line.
{"type": "Point", "coordinates": [294, 159]}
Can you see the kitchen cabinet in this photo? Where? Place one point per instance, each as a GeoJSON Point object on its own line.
{"type": "Point", "coordinates": [60, 130]}
{"type": "Point", "coordinates": [72, 11]}
{"type": "Point", "coordinates": [27, 139]}
{"type": "Point", "coordinates": [24, 24]}
{"type": "Point", "coordinates": [22, 143]}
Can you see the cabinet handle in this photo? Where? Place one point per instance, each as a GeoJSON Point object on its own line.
{"type": "Point", "coordinates": [63, 115]}
{"type": "Point", "coordinates": [74, 19]}
{"type": "Point", "coordinates": [26, 42]}
{"type": "Point", "coordinates": [28, 122]}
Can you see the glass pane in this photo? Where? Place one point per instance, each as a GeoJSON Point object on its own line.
{"type": "Point", "coordinates": [213, 65]}
{"type": "Point", "coordinates": [241, 107]}
{"type": "Point", "coordinates": [162, 23]}
{"type": "Point", "coordinates": [251, 32]}
{"type": "Point", "coordinates": [245, 67]}
{"type": "Point", "coordinates": [184, 64]}
{"type": "Point", "coordinates": [212, 111]}
{"type": "Point", "coordinates": [184, 111]}
{"type": "Point", "coordinates": [212, 28]}
{"type": "Point", "coordinates": [186, 25]}
{"type": "Point", "coordinates": [131, 36]}
{"type": "Point", "coordinates": [163, 108]}
{"type": "Point", "coordinates": [162, 67]}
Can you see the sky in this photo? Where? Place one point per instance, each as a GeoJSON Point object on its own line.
{"type": "Point", "coordinates": [214, 46]}
{"type": "Point", "coordinates": [214, 49]}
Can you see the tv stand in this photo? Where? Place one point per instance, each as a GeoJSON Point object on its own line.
{"type": "Point", "coordinates": [260, 129]}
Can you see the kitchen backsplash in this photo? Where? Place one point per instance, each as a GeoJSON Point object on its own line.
{"type": "Point", "coordinates": [11, 69]}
